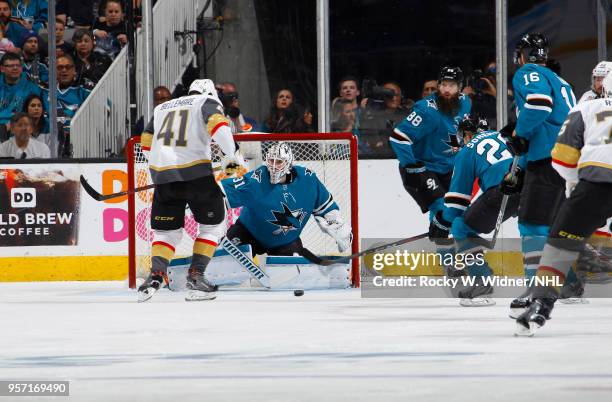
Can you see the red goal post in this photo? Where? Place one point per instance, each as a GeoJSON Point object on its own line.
{"type": "Point", "coordinates": [332, 156]}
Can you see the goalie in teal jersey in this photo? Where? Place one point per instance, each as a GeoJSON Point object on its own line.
{"type": "Point", "coordinates": [277, 200]}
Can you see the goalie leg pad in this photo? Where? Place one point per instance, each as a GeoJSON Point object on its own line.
{"type": "Point", "coordinates": [432, 186]}
{"type": "Point", "coordinates": [543, 192]}
{"type": "Point", "coordinates": [482, 214]}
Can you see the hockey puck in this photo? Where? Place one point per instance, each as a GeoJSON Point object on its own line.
{"type": "Point", "coordinates": [298, 293]}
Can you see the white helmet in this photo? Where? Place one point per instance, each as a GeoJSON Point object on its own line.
{"type": "Point", "coordinates": [279, 160]}
{"type": "Point", "coordinates": [606, 90]}
{"type": "Point", "coordinates": [601, 70]}
{"type": "Point", "coordinates": [204, 87]}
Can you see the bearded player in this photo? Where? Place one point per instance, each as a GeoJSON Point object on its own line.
{"type": "Point", "coordinates": [425, 141]}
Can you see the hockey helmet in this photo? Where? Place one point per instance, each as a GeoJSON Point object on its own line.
{"type": "Point", "coordinates": [279, 160]}
{"type": "Point", "coordinates": [534, 46]}
{"type": "Point", "coordinates": [448, 73]}
{"type": "Point", "coordinates": [204, 87]}
{"type": "Point", "coordinates": [473, 123]}
{"type": "Point", "coordinates": [600, 71]}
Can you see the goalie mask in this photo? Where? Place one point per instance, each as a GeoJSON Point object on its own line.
{"type": "Point", "coordinates": [279, 160]}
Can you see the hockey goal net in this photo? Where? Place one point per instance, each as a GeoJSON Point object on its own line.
{"type": "Point", "coordinates": [332, 156]}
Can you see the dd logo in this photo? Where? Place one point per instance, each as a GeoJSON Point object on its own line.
{"type": "Point", "coordinates": [24, 197]}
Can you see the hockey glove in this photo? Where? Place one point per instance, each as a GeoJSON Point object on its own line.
{"type": "Point", "coordinates": [421, 179]}
{"type": "Point", "coordinates": [232, 163]}
{"type": "Point", "coordinates": [414, 174]}
{"type": "Point", "coordinates": [439, 228]}
{"type": "Point", "coordinates": [512, 185]}
{"type": "Point", "coordinates": [332, 224]}
{"type": "Point", "coordinates": [517, 145]}
{"type": "Point", "coordinates": [507, 130]}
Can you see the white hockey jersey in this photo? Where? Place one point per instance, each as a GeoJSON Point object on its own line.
{"type": "Point", "coordinates": [180, 135]}
{"type": "Point", "coordinates": [588, 96]}
{"type": "Point", "coordinates": [584, 146]}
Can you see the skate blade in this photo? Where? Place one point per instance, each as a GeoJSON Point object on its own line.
{"type": "Point", "coordinates": [477, 302]}
{"type": "Point", "coordinates": [197, 295]}
{"type": "Point", "coordinates": [574, 300]}
{"type": "Point", "coordinates": [521, 330]}
{"type": "Point", "coordinates": [146, 295]}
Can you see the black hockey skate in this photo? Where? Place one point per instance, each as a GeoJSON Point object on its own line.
{"type": "Point", "coordinates": [477, 295]}
{"type": "Point", "coordinates": [518, 306]}
{"type": "Point", "coordinates": [594, 266]}
{"type": "Point", "coordinates": [199, 287]}
{"type": "Point", "coordinates": [535, 316]}
{"type": "Point", "coordinates": [573, 293]}
{"type": "Point", "coordinates": [155, 281]}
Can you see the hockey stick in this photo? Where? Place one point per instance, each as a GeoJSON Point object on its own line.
{"type": "Point", "coordinates": [304, 252]}
{"type": "Point", "coordinates": [244, 261]}
{"type": "Point", "coordinates": [490, 244]}
{"type": "Point", "coordinates": [102, 197]}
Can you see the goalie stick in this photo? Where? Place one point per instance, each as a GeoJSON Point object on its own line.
{"type": "Point", "coordinates": [329, 261]}
{"type": "Point", "coordinates": [102, 197]}
{"type": "Point", "coordinates": [248, 264]}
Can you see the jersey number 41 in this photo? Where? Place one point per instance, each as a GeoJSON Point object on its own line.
{"type": "Point", "coordinates": [167, 129]}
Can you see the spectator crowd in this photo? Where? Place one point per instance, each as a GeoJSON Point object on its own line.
{"type": "Point", "coordinates": [89, 34]}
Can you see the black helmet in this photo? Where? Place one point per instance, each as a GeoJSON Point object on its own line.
{"type": "Point", "coordinates": [451, 74]}
{"type": "Point", "coordinates": [534, 46]}
{"type": "Point", "coordinates": [473, 123]}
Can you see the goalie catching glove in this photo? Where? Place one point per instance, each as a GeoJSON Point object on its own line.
{"type": "Point", "coordinates": [332, 224]}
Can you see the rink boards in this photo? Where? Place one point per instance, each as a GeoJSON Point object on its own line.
{"type": "Point", "coordinates": [53, 231]}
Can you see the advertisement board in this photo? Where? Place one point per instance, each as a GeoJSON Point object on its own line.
{"type": "Point", "coordinates": [51, 229]}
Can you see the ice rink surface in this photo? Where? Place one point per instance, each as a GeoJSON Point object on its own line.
{"type": "Point", "coordinates": [272, 346]}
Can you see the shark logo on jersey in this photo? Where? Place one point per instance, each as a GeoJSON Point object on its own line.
{"type": "Point", "coordinates": [287, 220]}
{"type": "Point", "coordinates": [432, 103]}
{"type": "Point", "coordinates": [308, 172]}
{"type": "Point", "coordinates": [256, 175]}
